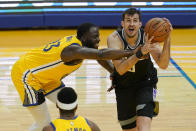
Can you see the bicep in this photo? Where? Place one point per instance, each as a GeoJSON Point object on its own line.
{"type": "Point", "coordinates": [114, 42]}
{"type": "Point", "coordinates": [76, 52]}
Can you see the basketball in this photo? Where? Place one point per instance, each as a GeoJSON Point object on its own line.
{"type": "Point", "coordinates": [158, 28]}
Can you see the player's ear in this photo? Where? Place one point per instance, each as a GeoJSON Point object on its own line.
{"type": "Point", "coordinates": [83, 38]}
{"type": "Point", "coordinates": [122, 24]}
{"type": "Point", "coordinates": [140, 24]}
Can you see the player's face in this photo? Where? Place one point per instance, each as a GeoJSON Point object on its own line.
{"type": "Point", "coordinates": [131, 24]}
{"type": "Point", "coordinates": [92, 38]}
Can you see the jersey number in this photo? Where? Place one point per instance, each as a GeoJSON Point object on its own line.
{"type": "Point", "coordinates": [50, 45]}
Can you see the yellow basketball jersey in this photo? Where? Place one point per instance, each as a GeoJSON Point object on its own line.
{"type": "Point", "coordinates": [79, 123]}
{"type": "Point", "coordinates": [42, 69]}
{"type": "Point", "coordinates": [45, 62]}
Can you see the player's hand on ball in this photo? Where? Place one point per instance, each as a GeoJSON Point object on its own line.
{"type": "Point", "coordinates": [147, 47]}
{"type": "Point", "coordinates": [167, 20]}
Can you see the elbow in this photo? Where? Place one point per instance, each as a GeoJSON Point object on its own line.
{"type": "Point", "coordinates": [164, 67]}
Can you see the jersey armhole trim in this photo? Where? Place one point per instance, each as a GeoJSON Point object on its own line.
{"type": "Point", "coordinates": [87, 121]}
{"type": "Point", "coordinates": [53, 126]}
{"type": "Point", "coordinates": [75, 44]}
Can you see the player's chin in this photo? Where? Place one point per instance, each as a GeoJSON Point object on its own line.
{"type": "Point", "coordinates": [132, 34]}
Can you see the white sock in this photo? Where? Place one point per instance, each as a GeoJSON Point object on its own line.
{"type": "Point", "coordinates": [41, 116]}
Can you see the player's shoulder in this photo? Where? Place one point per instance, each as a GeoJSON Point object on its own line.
{"type": "Point", "coordinates": [113, 36]}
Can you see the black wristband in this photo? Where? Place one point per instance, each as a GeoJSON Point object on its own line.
{"type": "Point", "coordinates": [139, 54]}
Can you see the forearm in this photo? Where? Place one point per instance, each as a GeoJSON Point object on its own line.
{"type": "Point", "coordinates": [106, 54]}
{"type": "Point", "coordinates": [125, 65]}
{"type": "Point", "coordinates": [107, 64]}
{"type": "Point", "coordinates": [165, 55]}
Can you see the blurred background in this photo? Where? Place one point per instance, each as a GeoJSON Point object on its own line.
{"type": "Point", "coordinates": [69, 13]}
{"type": "Point", "coordinates": [17, 16]}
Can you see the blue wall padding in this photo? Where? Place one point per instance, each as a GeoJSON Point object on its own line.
{"type": "Point", "coordinates": [21, 21]}
{"type": "Point", "coordinates": [100, 19]}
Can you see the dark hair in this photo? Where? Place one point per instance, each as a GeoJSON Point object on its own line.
{"type": "Point", "coordinates": [131, 11]}
{"type": "Point", "coordinates": [83, 28]}
{"type": "Point", "coordinates": [67, 95]}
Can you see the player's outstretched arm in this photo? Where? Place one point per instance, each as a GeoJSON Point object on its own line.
{"type": "Point", "coordinates": [75, 52]}
{"type": "Point", "coordinates": [93, 126]}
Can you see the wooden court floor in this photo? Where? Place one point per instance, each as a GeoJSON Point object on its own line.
{"type": "Point", "coordinates": [176, 86]}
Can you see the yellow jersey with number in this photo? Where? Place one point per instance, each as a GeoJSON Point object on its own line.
{"type": "Point", "coordinates": [79, 123]}
{"type": "Point", "coordinates": [42, 69]}
{"type": "Point", "coordinates": [45, 62]}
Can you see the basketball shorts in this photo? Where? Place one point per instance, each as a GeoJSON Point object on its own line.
{"type": "Point", "coordinates": [31, 90]}
{"type": "Point", "coordinates": [133, 102]}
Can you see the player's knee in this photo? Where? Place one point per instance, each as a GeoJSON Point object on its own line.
{"type": "Point", "coordinates": [149, 109]}
{"type": "Point", "coordinates": [128, 124]}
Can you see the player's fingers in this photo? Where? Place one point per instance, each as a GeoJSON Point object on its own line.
{"type": "Point", "coordinates": [151, 38]}
{"type": "Point", "coordinates": [146, 37]}
{"type": "Point", "coordinates": [171, 28]}
{"type": "Point", "coordinates": [167, 20]}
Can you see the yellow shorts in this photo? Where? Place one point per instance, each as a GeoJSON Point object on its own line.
{"type": "Point", "coordinates": [29, 87]}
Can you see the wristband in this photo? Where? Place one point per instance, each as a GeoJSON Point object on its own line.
{"type": "Point", "coordinates": [139, 54]}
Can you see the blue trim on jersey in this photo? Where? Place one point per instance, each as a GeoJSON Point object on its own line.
{"type": "Point", "coordinates": [53, 126]}
{"type": "Point", "coordinates": [87, 121]}
{"type": "Point", "coordinates": [46, 66]}
{"type": "Point", "coordinates": [75, 117]}
{"type": "Point", "coordinates": [183, 73]}
{"type": "Point", "coordinates": [75, 44]}
{"type": "Point", "coordinates": [27, 84]}
{"type": "Point", "coordinates": [62, 85]}
{"type": "Point", "coordinates": [31, 105]}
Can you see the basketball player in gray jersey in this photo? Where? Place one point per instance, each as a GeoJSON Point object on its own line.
{"type": "Point", "coordinates": [135, 78]}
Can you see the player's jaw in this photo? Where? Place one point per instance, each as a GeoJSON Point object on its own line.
{"type": "Point", "coordinates": [131, 31]}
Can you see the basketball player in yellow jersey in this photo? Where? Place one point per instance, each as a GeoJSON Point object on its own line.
{"type": "Point", "coordinates": [38, 73]}
{"type": "Point", "coordinates": [68, 121]}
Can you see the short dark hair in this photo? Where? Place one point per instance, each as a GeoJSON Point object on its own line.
{"type": "Point", "coordinates": [67, 95]}
{"type": "Point", "coordinates": [83, 28]}
{"type": "Point", "coordinates": [132, 11]}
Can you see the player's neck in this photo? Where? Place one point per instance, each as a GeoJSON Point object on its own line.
{"type": "Point", "coordinates": [67, 116]}
{"type": "Point", "coordinates": [132, 40]}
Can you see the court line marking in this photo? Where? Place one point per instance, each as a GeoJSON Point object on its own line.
{"type": "Point", "coordinates": [90, 77]}
{"type": "Point", "coordinates": [183, 73]}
